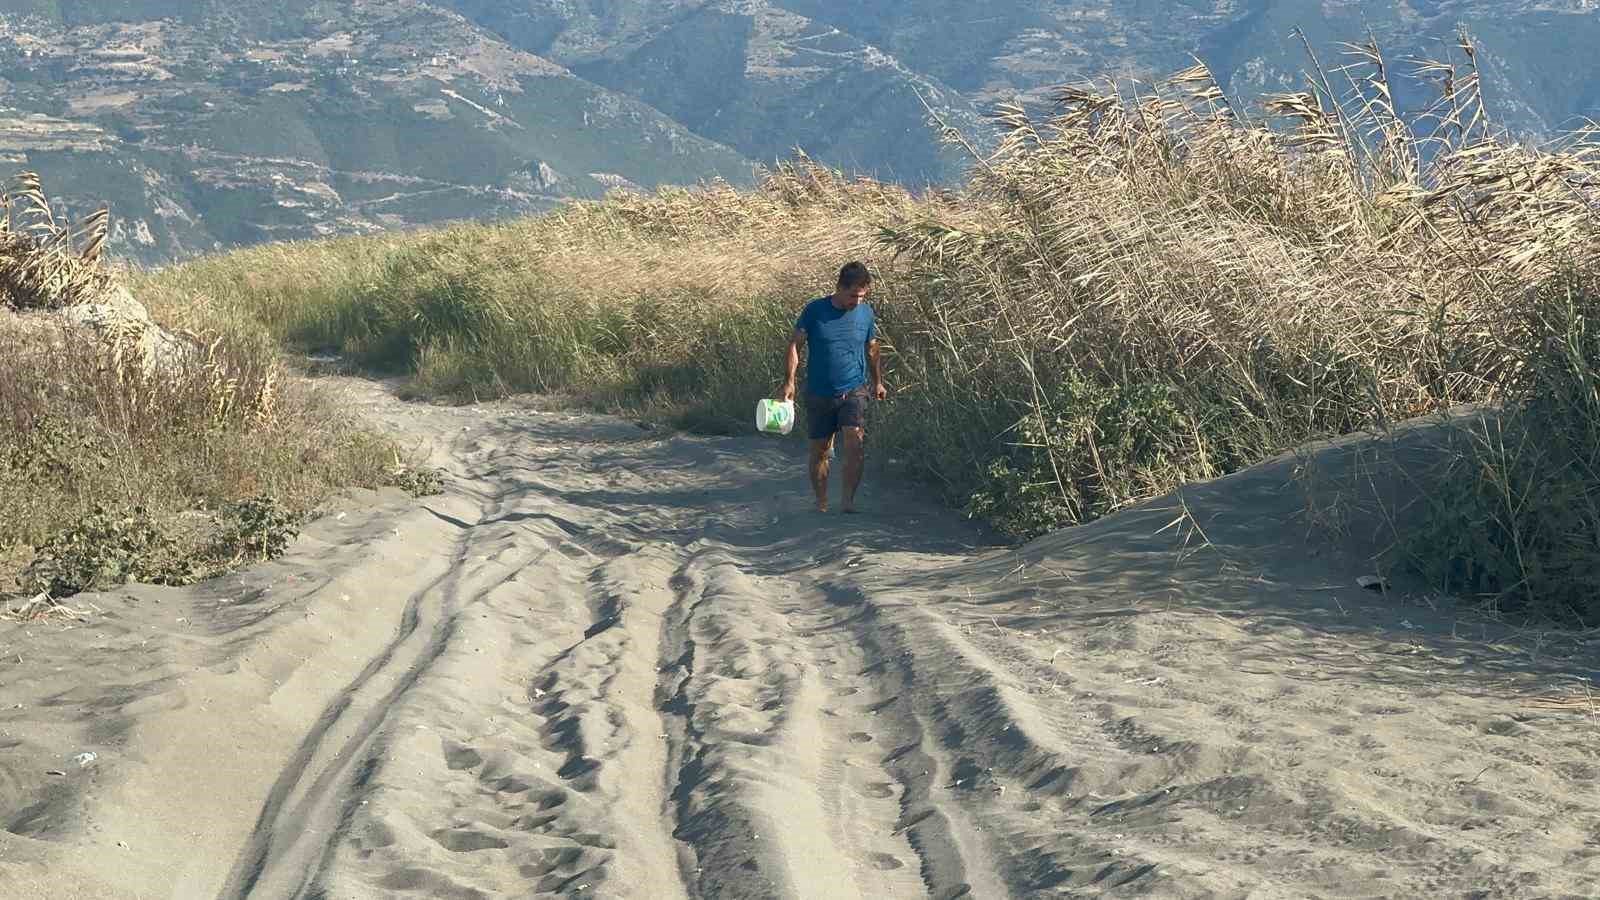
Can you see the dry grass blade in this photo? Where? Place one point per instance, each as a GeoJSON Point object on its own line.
{"type": "Point", "coordinates": [1584, 702]}
{"type": "Point", "coordinates": [30, 194]}
{"type": "Point", "coordinates": [1315, 129]}
{"type": "Point", "coordinates": [41, 608]}
{"type": "Point", "coordinates": [96, 227]}
{"type": "Point", "coordinates": [38, 267]}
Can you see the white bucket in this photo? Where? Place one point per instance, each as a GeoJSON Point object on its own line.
{"type": "Point", "coordinates": [774, 416]}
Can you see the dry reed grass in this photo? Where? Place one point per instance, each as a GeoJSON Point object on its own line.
{"type": "Point", "coordinates": [89, 434]}
{"type": "Point", "coordinates": [1582, 699]}
{"type": "Point", "coordinates": [39, 608]}
{"type": "Point", "coordinates": [40, 264]}
{"type": "Point", "coordinates": [1150, 285]}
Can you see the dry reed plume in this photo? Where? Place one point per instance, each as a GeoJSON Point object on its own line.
{"type": "Point", "coordinates": [39, 265]}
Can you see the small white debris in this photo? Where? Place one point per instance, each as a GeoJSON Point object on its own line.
{"type": "Point", "coordinates": [85, 758]}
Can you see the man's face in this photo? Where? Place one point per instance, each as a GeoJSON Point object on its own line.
{"type": "Point", "coordinates": [850, 297]}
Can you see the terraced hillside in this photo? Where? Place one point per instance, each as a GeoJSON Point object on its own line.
{"type": "Point", "coordinates": [205, 124]}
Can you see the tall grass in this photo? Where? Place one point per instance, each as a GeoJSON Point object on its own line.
{"type": "Point", "coordinates": [670, 302]}
{"type": "Point", "coordinates": [1175, 291]}
{"type": "Point", "coordinates": [1149, 285]}
{"type": "Point", "coordinates": [1514, 517]}
{"type": "Point", "coordinates": [113, 468]}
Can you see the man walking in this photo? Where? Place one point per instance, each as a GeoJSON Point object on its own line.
{"type": "Point", "coordinates": [841, 333]}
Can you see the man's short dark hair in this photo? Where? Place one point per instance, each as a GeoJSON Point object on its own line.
{"type": "Point", "coordinates": [854, 274]}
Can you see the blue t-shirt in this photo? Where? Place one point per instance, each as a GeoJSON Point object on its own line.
{"type": "Point", "coordinates": [837, 360]}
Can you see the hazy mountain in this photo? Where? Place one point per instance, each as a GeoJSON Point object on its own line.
{"type": "Point", "coordinates": [206, 131]}
{"type": "Point", "coordinates": [207, 123]}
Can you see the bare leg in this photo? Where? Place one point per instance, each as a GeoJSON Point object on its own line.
{"type": "Point", "coordinates": [821, 459]}
{"type": "Point", "coordinates": [855, 455]}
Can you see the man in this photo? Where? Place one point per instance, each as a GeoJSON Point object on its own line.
{"type": "Point", "coordinates": [841, 333]}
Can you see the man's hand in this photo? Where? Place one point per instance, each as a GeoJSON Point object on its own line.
{"type": "Point", "coordinates": [791, 364]}
{"type": "Point", "coordinates": [879, 392]}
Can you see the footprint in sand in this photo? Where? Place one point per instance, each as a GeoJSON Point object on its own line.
{"type": "Point", "coordinates": [534, 824]}
{"type": "Point", "coordinates": [377, 836]}
{"type": "Point", "coordinates": [510, 784]}
{"type": "Point", "coordinates": [461, 841]}
{"type": "Point", "coordinates": [878, 790]}
{"type": "Point", "coordinates": [885, 862]}
{"type": "Point", "coordinates": [459, 757]}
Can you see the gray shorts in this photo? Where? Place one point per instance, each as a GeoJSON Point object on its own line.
{"type": "Point", "coordinates": [826, 415]}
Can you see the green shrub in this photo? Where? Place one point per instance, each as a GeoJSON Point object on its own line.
{"type": "Point", "coordinates": [254, 529]}
{"type": "Point", "coordinates": [1515, 519]}
{"type": "Point", "coordinates": [418, 481]}
{"type": "Point", "coordinates": [104, 549]}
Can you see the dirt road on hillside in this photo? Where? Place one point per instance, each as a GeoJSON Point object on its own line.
{"type": "Point", "coordinates": [610, 662]}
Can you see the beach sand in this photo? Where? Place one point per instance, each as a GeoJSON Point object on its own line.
{"type": "Point", "coordinates": [613, 662]}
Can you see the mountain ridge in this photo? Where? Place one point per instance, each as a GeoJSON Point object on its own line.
{"type": "Point", "coordinates": [206, 125]}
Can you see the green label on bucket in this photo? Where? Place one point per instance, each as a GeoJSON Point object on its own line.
{"type": "Point", "coordinates": [774, 416]}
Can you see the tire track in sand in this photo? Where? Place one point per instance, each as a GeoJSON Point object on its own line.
{"type": "Point", "coordinates": [512, 766]}
{"type": "Point", "coordinates": [610, 683]}
{"type": "Point", "coordinates": [299, 819]}
{"type": "Point", "coordinates": [625, 665]}
{"type": "Point", "coordinates": [788, 781]}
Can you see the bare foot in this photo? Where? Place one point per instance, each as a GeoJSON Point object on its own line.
{"type": "Point", "coordinates": [848, 510]}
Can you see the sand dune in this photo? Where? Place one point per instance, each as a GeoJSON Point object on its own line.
{"type": "Point", "coordinates": [612, 663]}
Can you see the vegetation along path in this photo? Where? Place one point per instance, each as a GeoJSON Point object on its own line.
{"type": "Point", "coordinates": [612, 662]}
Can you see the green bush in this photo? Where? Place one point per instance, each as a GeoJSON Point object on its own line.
{"type": "Point", "coordinates": [254, 529]}
{"type": "Point", "coordinates": [104, 549]}
{"type": "Point", "coordinates": [418, 481]}
{"type": "Point", "coordinates": [1083, 450]}
{"type": "Point", "coordinates": [1515, 519]}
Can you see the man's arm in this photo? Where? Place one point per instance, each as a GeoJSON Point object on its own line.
{"type": "Point", "coordinates": [875, 365]}
{"type": "Point", "coordinates": [791, 362]}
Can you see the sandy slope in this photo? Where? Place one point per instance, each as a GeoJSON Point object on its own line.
{"type": "Point", "coordinates": [609, 663]}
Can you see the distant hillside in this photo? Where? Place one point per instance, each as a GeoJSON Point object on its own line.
{"type": "Point", "coordinates": [201, 136]}
{"type": "Point", "coordinates": [208, 124]}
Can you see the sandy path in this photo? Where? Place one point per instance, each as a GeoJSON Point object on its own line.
{"type": "Point", "coordinates": [611, 663]}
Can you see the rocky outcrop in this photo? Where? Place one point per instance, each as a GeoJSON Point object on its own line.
{"type": "Point", "coordinates": [117, 321]}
